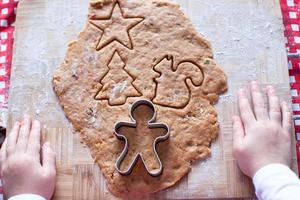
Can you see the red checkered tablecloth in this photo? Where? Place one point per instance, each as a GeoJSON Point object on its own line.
{"type": "Point", "coordinates": [291, 20]}
{"type": "Point", "coordinates": [7, 18]}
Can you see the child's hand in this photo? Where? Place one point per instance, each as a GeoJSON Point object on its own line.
{"type": "Point", "coordinates": [261, 136]}
{"type": "Point", "coordinates": [26, 168]}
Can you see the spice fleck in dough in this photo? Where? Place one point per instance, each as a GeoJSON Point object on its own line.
{"type": "Point", "coordinates": [141, 49]}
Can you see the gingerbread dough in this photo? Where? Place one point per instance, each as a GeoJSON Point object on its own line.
{"type": "Point", "coordinates": [141, 49]}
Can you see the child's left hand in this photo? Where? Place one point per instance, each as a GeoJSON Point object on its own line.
{"type": "Point", "coordinates": [261, 135]}
{"type": "Point", "coordinates": [26, 168]}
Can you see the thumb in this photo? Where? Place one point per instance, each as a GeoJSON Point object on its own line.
{"type": "Point", "coordinates": [48, 159]}
{"type": "Point", "coordinates": [3, 155]}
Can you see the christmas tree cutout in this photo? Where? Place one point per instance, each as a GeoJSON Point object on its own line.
{"type": "Point", "coordinates": [116, 89]}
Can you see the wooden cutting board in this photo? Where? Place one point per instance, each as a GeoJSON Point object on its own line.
{"type": "Point", "coordinates": [247, 38]}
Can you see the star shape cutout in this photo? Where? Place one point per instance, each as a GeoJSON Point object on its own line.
{"type": "Point", "coordinates": [116, 28]}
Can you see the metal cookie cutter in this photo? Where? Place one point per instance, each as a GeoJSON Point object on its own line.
{"type": "Point", "coordinates": [133, 124]}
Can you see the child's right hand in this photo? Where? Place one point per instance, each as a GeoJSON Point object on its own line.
{"type": "Point", "coordinates": [261, 136]}
{"type": "Point", "coordinates": [26, 167]}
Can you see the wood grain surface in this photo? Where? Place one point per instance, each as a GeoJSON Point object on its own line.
{"type": "Point", "coordinates": [248, 42]}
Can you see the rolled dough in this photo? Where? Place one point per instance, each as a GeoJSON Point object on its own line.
{"type": "Point", "coordinates": [141, 49]}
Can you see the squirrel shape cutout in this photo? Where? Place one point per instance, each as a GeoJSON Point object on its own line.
{"type": "Point", "coordinates": [172, 86]}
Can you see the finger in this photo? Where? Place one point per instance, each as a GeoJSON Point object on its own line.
{"type": "Point", "coordinates": [3, 152]}
{"type": "Point", "coordinates": [258, 102]}
{"type": "Point", "coordinates": [48, 159]}
{"type": "Point", "coordinates": [274, 105]}
{"type": "Point", "coordinates": [245, 109]}
{"type": "Point", "coordinates": [238, 131]}
{"type": "Point", "coordinates": [24, 134]}
{"type": "Point", "coordinates": [286, 118]}
{"type": "Point", "coordinates": [34, 143]}
{"type": "Point", "coordinates": [12, 139]}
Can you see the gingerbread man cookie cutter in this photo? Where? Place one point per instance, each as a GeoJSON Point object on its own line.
{"type": "Point", "coordinates": [133, 124]}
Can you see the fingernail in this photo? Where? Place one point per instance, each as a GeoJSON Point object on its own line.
{"type": "Point", "coordinates": [254, 85]}
{"type": "Point", "coordinates": [47, 145]}
{"type": "Point", "coordinates": [26, 117]}
{"type": "Point", "coordinates": [270, 88]}
{"type": "Point", "coordinates": [36, 123]}
{"type": "Point", "coordinates": [241, 92]}
{"type": "Point", "coordinates": [234, 118]}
